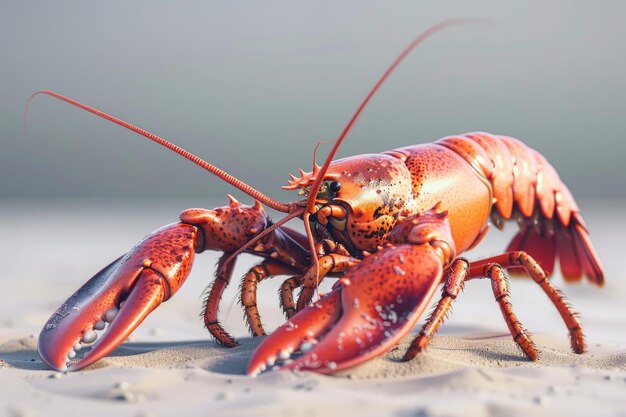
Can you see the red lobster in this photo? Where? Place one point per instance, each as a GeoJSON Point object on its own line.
{"type": "Point", "coordinates": [390, 225]}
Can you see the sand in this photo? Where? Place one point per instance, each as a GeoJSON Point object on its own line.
{"type": "Point", "coordinates": [171, 367]}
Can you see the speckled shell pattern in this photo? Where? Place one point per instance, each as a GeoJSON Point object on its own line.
{"type": "Point", "coordinates": [169, 251]}
{"type": "Point", "coordinates": [227, 229]}
{"type": "Point", "coordinates": [377, 188]}
{"type": "Point", "coordinates": [441, 176]}
{"type": "Point", "coordinates": [380, 188]}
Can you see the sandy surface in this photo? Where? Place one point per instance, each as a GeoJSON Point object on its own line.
{"type": "Point", "coordinates": [169, 367]}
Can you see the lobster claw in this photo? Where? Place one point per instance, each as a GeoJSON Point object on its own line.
{"type": "Point", "coordinates": [108, 307]}
{"type": "Point", "coordinates": [378, 302]}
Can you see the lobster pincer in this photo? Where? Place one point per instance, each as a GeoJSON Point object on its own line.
{"type": "Point", "coordinates": [374, 305]}
{"type": "Point", "coordinates": [108, 307]}
{"type": "Point", "coordinates": [101, 314]}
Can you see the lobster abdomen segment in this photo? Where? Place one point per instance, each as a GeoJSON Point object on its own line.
{"type": "Point", "coordinates": [527, 187]}
{"type": "Point", "coordinates": [520, 176]}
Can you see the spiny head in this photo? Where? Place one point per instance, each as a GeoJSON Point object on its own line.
{"type": "Point", "coordinates": [358, 199]}
{"type": "Point", "coordinates": [306, 179]}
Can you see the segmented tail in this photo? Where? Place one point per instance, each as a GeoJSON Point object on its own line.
{"type": "Point", "coordinates": [526, 187]}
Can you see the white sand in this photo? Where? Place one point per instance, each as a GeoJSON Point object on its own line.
{"type": "Point", "coordinates": [171, 368]}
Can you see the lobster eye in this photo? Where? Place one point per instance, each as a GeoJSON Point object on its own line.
{"type": "Point", "coordinates": [334, 186]}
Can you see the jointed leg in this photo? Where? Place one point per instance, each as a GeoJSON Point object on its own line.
{"type": "Point", "coordinates": [452, 286]}
{"type": "Point", "coordinates": [518, 258]}
{"type": "Point", "coordinates": [458, 273]}
{"type": "Point", "coordinates": [500, 287]}
{"type": "Point", "coordinates": [286, 295]}
{"type": "Point", "coordinates": [211, 304]}
{"type": "Point", "coordinates": [249, 285]}
{"type": "Point", "coordinates": [309, 281]}
{"type": "Point", "coordinates": [332, 257]}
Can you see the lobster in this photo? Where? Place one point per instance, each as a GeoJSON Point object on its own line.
{"type": "Point", "coordinates": [390, 226]}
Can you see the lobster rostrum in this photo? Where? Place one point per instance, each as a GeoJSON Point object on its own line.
{"type": "Point", "coordinates": [388, 225]}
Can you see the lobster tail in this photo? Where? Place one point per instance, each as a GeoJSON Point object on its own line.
{"type": "Point", "coordinates": [570, 244]}
{"type": "Point", "coordinates": [526, 187]}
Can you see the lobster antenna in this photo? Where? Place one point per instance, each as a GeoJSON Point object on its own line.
{"type": "Point", "coordinates": [421, 38]}
{"type": "Point", "coordinates": [320, 143]}
{"type": "Point", "coordinates": [276, 205]}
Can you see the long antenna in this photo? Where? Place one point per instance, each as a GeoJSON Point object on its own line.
{"type": "Point", "coordinates": [276, 205]}
{"type": "Point", "coordinates": [421, 38]}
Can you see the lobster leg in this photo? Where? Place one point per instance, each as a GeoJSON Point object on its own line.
{"type": "Point", "coordinates": [452, 286]}
{"type": "Point", "coordinates": [500, 287]}
{"type": "Point", "coordinates": [458, 273]}
{"type": "Point", "coordinates": [227, 229]}
{"type": "Point", "coordinates": [249, 285]}
{"type": "Point", "coordinates": [310, 280]}
{"type": "Point", "coordinates": [518, 258]}
{"type": "Point", "coordinates": [332, 258]}
{"type": "Point", "coordinates": [212, 301]}
{"type": "Point", "coordinates": [287, 288]}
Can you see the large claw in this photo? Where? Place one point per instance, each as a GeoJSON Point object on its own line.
{"type": "Point", "coordinates": [378, 302]}
{"type": "Point", "coordinates": [108, 307]}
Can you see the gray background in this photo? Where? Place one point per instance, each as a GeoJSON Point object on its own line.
{"type": "Point", "coordinates": [253, 86]}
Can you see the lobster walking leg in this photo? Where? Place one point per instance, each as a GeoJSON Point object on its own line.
{"type": "Point", "coordinates": [452, 286]}
{"type": "Point", "coordinates": [211, 304]}
{"type": "Point", "coordinates": [459, 272]}
{"type": "Point", "coordinates": [287, 288]}
{"type": "Point", "coordinates": [249, 285]}
{"type": "Point", "coordinates": [519, 258]}
{"type": "Point", "coordinates": [500, 287]}
{"type": "Point", "coordinates": [333, 257]}
{"type": "Point", "coordinates": [227, 229]}
{"type": "Point", "coordinates": [310, 280]}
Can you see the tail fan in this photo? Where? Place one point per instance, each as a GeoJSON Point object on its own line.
{"type": "Point", "coordinates": [570, 244]}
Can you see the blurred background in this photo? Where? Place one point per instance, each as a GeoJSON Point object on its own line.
{"type": "Point", "coordinates": [252, 87]}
